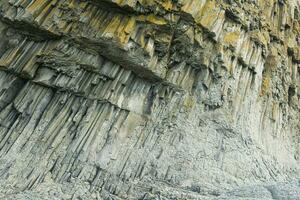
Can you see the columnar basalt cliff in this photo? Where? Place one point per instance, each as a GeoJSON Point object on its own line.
{"type": "Point", "coordinates": [149, 99]}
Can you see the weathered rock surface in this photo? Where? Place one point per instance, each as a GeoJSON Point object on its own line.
{"type": "Point", "coordinates": [149, 99]}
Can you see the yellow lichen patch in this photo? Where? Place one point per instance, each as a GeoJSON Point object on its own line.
{"type": "Point", "coordinates": [209, 14]}
{"type": "Point", "coordinates": [265, 86]}
{"type": "Point", "coordinates": [123, 38]}
{"type": "Point", "coordinates": [130, 3]}
{"type": "Point", "coordinates": [113, 25]}
{"type": "Point", "coordinates": [208, 7]}
{"type": "Point", "coordinates": [191, 7]}
{"type": "Point", "coordinates": [290, 42]}
{"type": "Point", "coordinates": [296, 27]}
{"type": "Point", "coordinates": [271, 61]}
{"type": "Point", "coordinates": [120, 28]}
{"type": "Point", "coordinates": [152, 19]}
{"type": "Point", "coordinates": [231, 38]}
{"type": "Point", "coordinates": [262, 38]}
{"type": "Point", "coordinates": [266, 6]}
{"type": "Point", "coordinates": [269, 68]}
{"type": "Point", "coordinates": [129, 26]}
{"type": "Point", "coordinates": [45, 13]}
{"type": "Point", "coordinates": [168, 5]}
{"type": "Point", "coordinates": [147, 2]}
{"type": "Point", "coordinates": [37, 6]}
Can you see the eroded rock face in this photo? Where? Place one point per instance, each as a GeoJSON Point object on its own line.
{"type": "Point", "coordinates": [143, 99]}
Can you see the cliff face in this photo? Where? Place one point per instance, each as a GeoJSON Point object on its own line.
{"type": "Point", "coordinates": [144, 99]}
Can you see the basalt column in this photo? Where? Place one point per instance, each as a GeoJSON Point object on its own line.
{"type": "Point", "coordinates": [149, 99]}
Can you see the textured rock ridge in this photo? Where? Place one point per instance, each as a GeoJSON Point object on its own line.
{"type": "Point", "coordinates": [149, 99]}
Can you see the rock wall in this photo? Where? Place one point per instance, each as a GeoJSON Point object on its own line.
{"type": "Point", "coordinates": [144, 99]}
